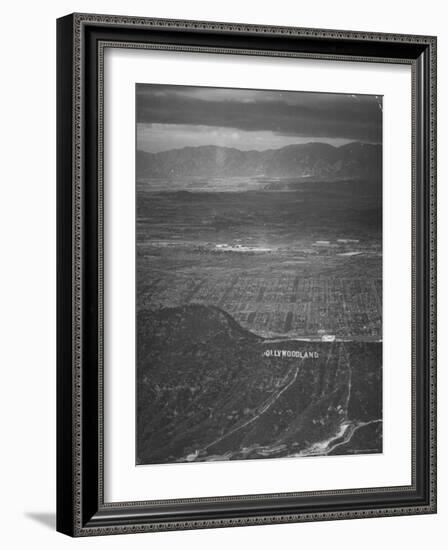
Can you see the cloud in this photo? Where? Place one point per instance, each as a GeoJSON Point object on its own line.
{"type": "Point", "coordinates": [300, 114]}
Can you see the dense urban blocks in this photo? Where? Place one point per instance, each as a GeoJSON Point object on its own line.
{"type": "Point", "coordinates": [268, 265]}
{"type": "Point", "coordinates": [289, 306]}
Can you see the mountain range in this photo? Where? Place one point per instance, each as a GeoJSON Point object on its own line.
{"type": "Point", "coordinates": [308, 160]}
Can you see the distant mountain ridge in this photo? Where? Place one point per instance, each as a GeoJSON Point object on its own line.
{"type": "Point", "coordinates": [313, 159]}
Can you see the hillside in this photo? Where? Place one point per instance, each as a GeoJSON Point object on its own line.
{"type": "Point", "coordinates": [210, 390]}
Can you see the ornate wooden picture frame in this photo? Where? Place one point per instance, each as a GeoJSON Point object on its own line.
{"type": "Point", "coordinates": [82, 509]}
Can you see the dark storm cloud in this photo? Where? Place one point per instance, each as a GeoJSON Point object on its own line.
{"type": "Point", "coordinates": [301, 114]}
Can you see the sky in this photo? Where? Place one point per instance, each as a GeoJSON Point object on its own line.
{"type": "Point", "coordinates": [172, 117]}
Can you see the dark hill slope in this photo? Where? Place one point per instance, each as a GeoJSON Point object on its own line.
{"type": "Point", "coordinates": [206, 390]}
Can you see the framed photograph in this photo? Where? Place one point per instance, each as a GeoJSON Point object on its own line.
{"type": "Point", "coordinates": [246, 274]}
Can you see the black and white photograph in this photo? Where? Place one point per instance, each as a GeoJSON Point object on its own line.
{"type": "Point", "coordinates": [258, 274]}
{"type": "Point", "coordinates": [246, 277]}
